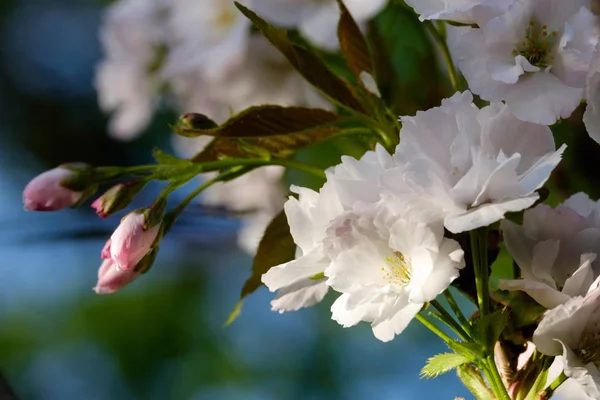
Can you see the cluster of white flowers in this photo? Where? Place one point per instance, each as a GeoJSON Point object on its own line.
{"type": "Point", "coordinates": [542, 58]}
{"type": "Point", "coordinates": [539, 56]}
{"type": "Point", "coordinates": [556, 250]}
{"type": "Point", "coordinates": [380, 232]}
{"type": "Point", "coordinates": [376, 228]}
{"type": "Point", "coordinates": [202, 56]}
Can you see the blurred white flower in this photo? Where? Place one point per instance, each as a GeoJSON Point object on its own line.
{"type": "Point", "coordinates": [132, 35]}
{"type": "Point", "coordinates": [265, 77]}
{"type": "Point", "coordinates": [348, 184]}
{"type": "Point", "coordinates": [591, 116]}
{"type": "Point", "coordinates": [535, 56]}
{"type": "Point", "coordinates": [387, 267]}
{"type": "Point", "coordinates": [454, 10]}
{"type": "Point", "coordinates": [205, 35]}
{"type": "Point", "coordinates": [258, 190]}
{"type": "Point", "coordinates": [469, 166]}
{"type": "Point", "coordinates": [316, 20]}
{"type": "Point", "coordinates": [252, 231]}
{"type": "Point", "coordinates": [572, 330]}
{"type": "Point", "coordinates": [556, 250]}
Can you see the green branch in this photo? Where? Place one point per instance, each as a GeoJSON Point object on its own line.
{"type": "Point", "coordinates": [443, 45]}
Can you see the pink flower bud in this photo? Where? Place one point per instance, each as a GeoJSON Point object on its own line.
{"type": "Point", "coordinates": [98, 205]}
{"type": "Point", "coordinates": [45, 192]}
{"type": "Point", "coordinates": [130, 242]}
{"type": "Point", "coordinates": [117, 198]}
{"type": "Point", "coordinates": [105, 255]}
{"type": "Point", "coordinates": [112, 278]}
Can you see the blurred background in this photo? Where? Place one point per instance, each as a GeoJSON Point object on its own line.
{"type": "Point", "coordinates": [163, 336]}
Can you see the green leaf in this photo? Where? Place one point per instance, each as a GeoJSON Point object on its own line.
{"type": "Point", "coordinates": [472, 351]}
{"type": "Point", "coordinates": [306, 63]}
{"type": "Point", "coordinates": [235, 313]}
{"type": "Point", "coordinates": [278, 130]}
{"type": "Point", "coordinates": [169, 160]}
{"type": "Point", "coordinates": [276, 247]}
{"type": "Point", "coordinates": [489, 328]}
{"type": "Point", "coordinates": [472, 379]}
{"type": "Point", "coordinates": [353, 44]}
{"type": "Point", "coordinates": [442, 363]}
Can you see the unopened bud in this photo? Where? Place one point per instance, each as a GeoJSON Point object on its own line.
{"type": "Point", "coordinates": [112, 278]}
{"type": "Point", "coordinates": [117, 198]}
{"type": "Point", "coordinates": [193, 121]}
{"type": "Point", "coordinates": [58, 188]}
{"type": "Point", "coordinates": [132, 239]}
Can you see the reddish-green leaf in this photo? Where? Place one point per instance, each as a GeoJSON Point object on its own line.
{"type": "Point", "coordinates": [306, 63]}
{"type": "Point", "coordinates": [275, 129]}
{"type": "Point", "coordinates": [353, 44]}
{"type": "Point", "coordinates": [276, 247]}
{"type": "Point", "coordinates": [262, 121]}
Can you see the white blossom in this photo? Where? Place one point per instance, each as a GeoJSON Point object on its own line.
{"type": "Point", "coordinates": [265, 77]}
{"type": "Point", "coordinates": [591, 116]}
{"type": "Point", "coordinates": [252, 231]}
{"type": "Point", "coordinates": [258, 190]}
{"type": "Point", "coordinates": [535, 56]}
{"type": "Point", "coordinates": [126, 80]}
{"type": "Point", "coordinates": [316, 20]}
{"type": "Point", "coordinates": [556, 250]}
{"type": "Point", "coordinates": [350, 183]}
{"type": "Point", "coordinates": [205, 35]}
{"type": "Point", "coordinates": [454, 10]}
{"type": "Point", "coordinates": [387, 267]}
{"type": "Point", "coordinates": [470, 166]}
{"type": "Point", "coordinates": [572, 330]}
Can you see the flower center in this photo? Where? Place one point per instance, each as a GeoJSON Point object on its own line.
{"type": "Point", "coordinates": [399, 270]}
{"type": "Point", "coordinates": [537, 46]}
{"type": "Point", "coordinates": [225, 17]}
{"type": "Point", "coordinates": [589, 348]}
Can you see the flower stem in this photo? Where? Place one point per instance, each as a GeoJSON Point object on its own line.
{"type": "Point", "coordinates": [549, 391]}
{"type": "Point", "coordinates": [450, 321]}
{"type": "Point", "coordinates": [173, 214]}
{"type": "Point", "coordinates": [443, 45]}
{"type": "Point", "coordinates": [456, 309]}
{"type": "Point", "coordinates": [260, 162]}
{"type": "Point", "coordinates": [431, 326]}
{"type": "Point", "coordinates": [495, 380]}
{"type": "Point", "coordinates": [480, 267]}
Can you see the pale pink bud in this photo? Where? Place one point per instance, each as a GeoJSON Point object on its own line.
{"type": "Point", "coordinates": [130, 242]}
{"type": "Point", "coordinates": [98, 205]}
{"type": "Point", "coordinates": [105, 255]}
{"type": "Point", "coordinates": [117, 198]}
{"type": "Point", "coordinates": [112, 278]}
{"type": "Point", "coordinates": [45, 192]}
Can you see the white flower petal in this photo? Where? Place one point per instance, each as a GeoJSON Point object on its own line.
{"type": "Point", "coordinates": [545, 295]}
{"type": "Point", "coordinates": [486, 214]}
{"type": "Point", "coordinates": [387, 329]}
{"type": "Point", "coordinates": [582, 279]}
{"type": "Point", "coordinates": [304, 293]}
{"type": "Point", "coordinates": [296, 270]}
